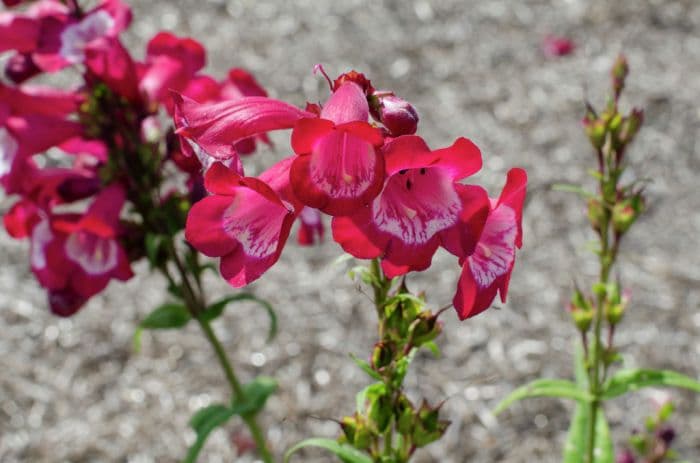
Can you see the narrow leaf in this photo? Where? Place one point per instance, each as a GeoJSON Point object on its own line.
{"type": "Point", "coordinates": [572, 189]}
{"type": "Point", "coordinates": [632, 379]}
{"type": "Point", "coordinates": [366, 367]}
{"type": "Point", "coordinates": [256, 394]}
{"type": "Point", "coordinates": [166, 316]}
{"type": "Point", "coordinates": [346, 453]}
{"type": "Point", "coordinates": [544, 388]}
{"type": "Point", "coordinates": [204, 422]}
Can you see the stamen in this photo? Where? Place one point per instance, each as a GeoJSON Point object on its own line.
{"type": "Point", "coordinates": [319, 68]}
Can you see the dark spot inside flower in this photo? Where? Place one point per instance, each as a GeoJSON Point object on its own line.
{"type": "Point", "coordinates": [408, 184]}
{"type": "Point", "coordinates": [403, 171]}
{"type": "Point", "coordinates": [422, 171]}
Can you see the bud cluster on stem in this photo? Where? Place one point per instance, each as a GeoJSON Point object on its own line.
{"type": "Point", "coordinates": [388, 425]}
{"type": "Point", "coordinates": [612, 210]}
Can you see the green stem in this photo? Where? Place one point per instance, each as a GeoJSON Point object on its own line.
{"type": "Point", "coordinates": [196, 305]}
{"type": "Point", "coordinates": [594, 386]}
{"type": "Point", "coordinates": [236, 389]}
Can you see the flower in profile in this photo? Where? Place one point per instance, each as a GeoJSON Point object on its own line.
{"type": "Point", "coordinates": [419, 201]}
{"type": "Point", "coordinates": [246, 220]}
{"type": "Point", "coordinates": [486, 271]}
{"type": "Point", "coordinates": [75, 256]}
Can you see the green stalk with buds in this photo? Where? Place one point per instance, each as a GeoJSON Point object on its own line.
{"type": "Point", "coordinates": [612, 210]}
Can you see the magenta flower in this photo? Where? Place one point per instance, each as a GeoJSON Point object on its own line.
{"type": "Point", "coordinates": [246, 221]}
{"type": "Point", "coordinates": [79, 255]}
{"type": "Point", "coordinates": [486, 271]}
{"type": "Point", "coordinates": [311, 228]}
{"type": "Point", "coordinates": [420, 200]}
{"type": "Point", "coordinates": [216, 127]}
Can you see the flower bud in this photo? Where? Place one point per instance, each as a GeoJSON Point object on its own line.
{"type": "Point", "coordinates": [398, 116]}
{"type": "Point", "coordinates": [631, 125]}
{"type": "Point", "coordinates": [666, 433]}
{"type": "Point", "coordinates": [625, 213]}
{"type": "Point", "coordinates": [596, 212]}
{"type": "Point", "coordinates": [356, 431]}
{"type": "Point", "coordinates": [382, 355]}
{"type": "Point", "coordinates": [403, 410]}
{"type": "Point", "coordinates": [581, 311]}
{"type": "Point", "coordinates": [626, 456]}
{"type": "Point", "coordinates": [424, 328]}
{"type": "Point", "coordinates": [619, 73]}
{"type": "Point", "coordinates": [429, 427]}
{"type": "Point", "coordinates": [21, 67]}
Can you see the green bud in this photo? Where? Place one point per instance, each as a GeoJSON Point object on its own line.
{"type": "Point", "coordinates": [403, 410]}
{"type": "Point", "coordinates": [424, 329]}
{"type": "Point", "coordinates": [625, 213]}
{"type": "Point", "coordinates": [380, 412]}
{"type": "Point", "coordinates": [595, 130]}
{"type": "Point", "coordinates": [631, 125]}
{"type": "Point", "coordinates": [619, 73]}
{"type": "Point", "coordinates": [357, 432]}
{"type": "Point", "coordinates": [596, 212]}
{"type": "Point", "coordinates": [429, 427]}
{"type": "Point", "coordinates": [383, 354]}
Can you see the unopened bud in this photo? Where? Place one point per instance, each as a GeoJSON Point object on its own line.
{"type": "Point", "coordinates": [398, 116]}
{"type": "Point", "coordinates": [403, 410]}
{"type": "Point", "coordinates": [631, 125]}
{"type": "Point", "coordinates": [625, 213]}
{"type": "Point", "coordinates": [21, 67]}
{"type": "Point", "coordinates": [666, 434]}
{"type": "Point", "coordinates": [581, 311]}
{"type": "Point", "coordinates": [382, 355]}
{"type": "Point", "coordinates": [626, 456]}
{"type": "Point", "coordinates": [596, 212]}
{"type": "Point", "coordinates": [619, 73]}
{"type": "Point", "coordinates": [425, 328]}
{"type": "Point", "coordinates": [595, 130]}
{"type": "Point", "coordinates": [356, 431]}
{"type": "Point", "coordinates": [429, 427]}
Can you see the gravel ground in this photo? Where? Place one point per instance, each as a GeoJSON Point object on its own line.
{"type": "Point", "coordinates": [74, 391]}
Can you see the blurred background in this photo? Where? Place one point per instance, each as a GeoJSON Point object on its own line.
{"type": "Point", "coordinates": [74, 390]}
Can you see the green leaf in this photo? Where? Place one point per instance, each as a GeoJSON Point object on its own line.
{"type": "Point", "coordinates": [215, 310]}
{"type": "Point", "coordinates": [346, 453]}
{"type": "Point", "coordinates": [256, 394]}
{"type": "Point", "coordinates": [632, 379]}
{"type": "Point", "coordinates": [166, 316]}
{"type": "Point", "coordinates": [544, 388]}
{"type": "Point", "coordinates": [577, 438]}
{"type": "Point", "coordinates": [433, 348]}
{"type": "Point", "coordinates": [204, 422]}
{"type": "Point", "coordinates": [366, 367]}
{"type": "Point", "coordinates": [136, 339]}
{"type": "Point", "coordinates": [580, 370]}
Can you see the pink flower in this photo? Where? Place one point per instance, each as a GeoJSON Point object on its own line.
{"type": "Point", "coordinates": [171, 62]}
{"type": "Point", "coordinates": [420, 200]}
{"type": "Point", "coordinates": [486, 271]}
{"type": "Point", "coordinates": [554, 46]}
{"type": "Point", "coordinates": [311, 228]}
{"type": "Point", "coordinates": [107, 59]}
{"type": "Point", "coordinates": [216, 127]}
{"type": "Point", "coordinates": [78, 255]}
{"type": "Point", "coordinates": [246, 221]}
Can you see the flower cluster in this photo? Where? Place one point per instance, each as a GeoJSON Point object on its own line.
{"type": "Point", "coordinates": [93, 167]}
{"type": "Point", "coordinates": [391, 197]}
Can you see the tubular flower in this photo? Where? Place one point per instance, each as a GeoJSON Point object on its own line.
{"type": "Point", "coordinates": [245, 221]}
{"type": "Point", "coordinates": [486, 271]}
{"type": "Point", "coordinates": [339, 167]}
{"type": "Point", "coordinates": [78, 255]}
{"type": "Point", "coordinates": [420, 200]}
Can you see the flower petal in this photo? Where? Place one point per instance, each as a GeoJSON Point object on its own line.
{"type": "Point", "coordinates": [348, 103]}
{"type": "Point", "coordinates": [217, 126]}
{"type": "Point", "coordinates": [342, 173]}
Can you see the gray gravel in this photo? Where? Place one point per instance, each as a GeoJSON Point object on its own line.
{"type": "Point", "coordinates": [74, 391]}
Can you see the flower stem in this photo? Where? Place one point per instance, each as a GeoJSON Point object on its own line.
{"type": "Point", "coordinates": [194, 299]}
{"type": "Point", "coordinates": [236, 389]}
